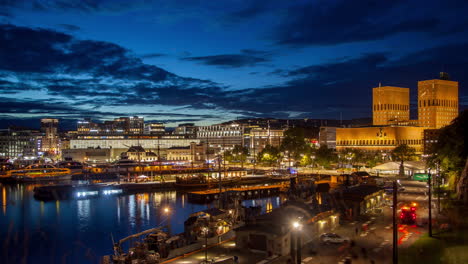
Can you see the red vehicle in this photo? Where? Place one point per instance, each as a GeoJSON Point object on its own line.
{"type": "Point", "coordinates": [408, 214]}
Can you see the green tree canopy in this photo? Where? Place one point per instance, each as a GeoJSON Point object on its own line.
{"type": "Point", "coordinates": [237, 154]}
{"type": "Point", "coordinates": [325, 156]}
{"type": "Point", "coordinates": [269, 155]}
{"type": "Point", "coordinates": [450, 150]}
{"type": "Point", "coordinates": [293, 142]}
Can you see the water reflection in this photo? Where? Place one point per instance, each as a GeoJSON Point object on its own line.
{"type": "Point", "coordinates": [79, 231]}
{"type": "Point", "coordinates": [83, 207]}
{"type": "Point", "coordinates": [4, 200]}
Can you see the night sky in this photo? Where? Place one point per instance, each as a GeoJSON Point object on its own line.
{"type": "Point", "coordinates": [211, 61]}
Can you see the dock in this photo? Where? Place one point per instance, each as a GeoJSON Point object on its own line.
{"type": "Point", "coordinates": [244, 193]}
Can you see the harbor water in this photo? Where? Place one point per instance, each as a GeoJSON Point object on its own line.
{"type": "Point", "coordinates": [81, 230]}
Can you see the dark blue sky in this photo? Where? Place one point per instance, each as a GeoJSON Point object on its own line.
{"type": "Point", "coordinates": [211, 61]}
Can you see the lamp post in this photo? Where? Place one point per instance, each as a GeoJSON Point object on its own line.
{"type": "Point", "coordinates": [395, 230]}
{"type": "Point", "coordinates": [429, 181]}
{"type": "Point", "coordinates": [205, 232]}
{"type": "Point", "coordinates": [297, 226]}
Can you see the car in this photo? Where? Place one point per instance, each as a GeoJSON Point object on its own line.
{"type": "Point", "coordinates": [333, 238]}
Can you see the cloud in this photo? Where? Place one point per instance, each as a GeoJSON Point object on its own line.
{"type": "Point", "coordinates": [152, 55]}
{"type": "Point", "coordinates": [90, 75]}
{"type": "Point", "coordinates": [345, 85]}
{"type": "Point", "coordinates": [49, 73]}
{"type": "Point", "coordinates": [246, 57]}
{"type": "Point", "coordinates": [108, 6]}
{"type": "Point", "coordinates": [69, 27]}
{"type": "Point", "coordinates": [334, 22]}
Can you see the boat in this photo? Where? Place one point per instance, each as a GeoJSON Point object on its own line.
{"type": "Point", "coordinates": [74, 166]}
{"type": "Point", "coordinates": [279, 175]}
{"type": "Point", "coordinates": [201, 229]}
{"type": "Point", "coordinates": [201, 180]}
{"type": "Point", "coordinates": [40, 172]}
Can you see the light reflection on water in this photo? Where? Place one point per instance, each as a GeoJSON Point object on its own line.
{"type": "Point", "coordinates": [80, 231]}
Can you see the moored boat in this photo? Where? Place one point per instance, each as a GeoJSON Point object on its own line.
{"type": "Point", "coordinates": [279, 175]}
{"type": "Point", "coordinates": [38, 172]}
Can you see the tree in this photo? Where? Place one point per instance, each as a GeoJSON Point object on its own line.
{"type": "Point", "coordinates": [293, 143]}
{"type": "Point", "coordinates": [269, 155]}
{"type": "Point", "coordinates": [240, 154]}
{"type": "Point", "coordinates": [403, 153]}
{"type": "Point", "coordinates": [324, 156]}
{"type": "Point", "coordinates": [308, 155]}
{"type": "Point", "coordinates": [450, 152]}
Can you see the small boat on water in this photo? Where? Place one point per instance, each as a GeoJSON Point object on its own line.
{"type": "Point", "coordinates": [279, 175]}
{"type": "Point", "coordinates": [40, 172]}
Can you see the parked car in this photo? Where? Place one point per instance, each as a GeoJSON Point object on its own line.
{"type": "Point", "coordinates": [333, 238]}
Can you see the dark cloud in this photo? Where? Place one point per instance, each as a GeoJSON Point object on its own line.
{"type": "Point", "coordinates": [152, 55]}
{"type": "Point", "coordinates": [346, 85]}
{"type": "Point", "coordinates": [112, 6]}
{"type": "Point", "coordinates": [69, 27]}
{"type": "Point", "coordinates": [92, 75]}
{"type": "Point", "coordinates": [334, 22]}
{"type": "Point", "coordinates": [247, 57]}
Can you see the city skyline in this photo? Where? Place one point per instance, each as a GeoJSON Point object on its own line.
{"type": "Point", "coordinates": [206, 63]}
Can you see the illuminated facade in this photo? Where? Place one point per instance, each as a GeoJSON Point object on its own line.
{"type": "Point", "coordinates": [50, 140]}
{"type": "Point", "coordinates": [437, 102]}
{"type": "Point", "coordinates": [261, 137]}
{"type": "Point", "coordinates": [437, 107]}
{"type": "Point", "coordinates": [119, 126]}
{"type": "Point", "coordinates": [379, 137]}
{"type": "Point", "coordinates": [390, 104]}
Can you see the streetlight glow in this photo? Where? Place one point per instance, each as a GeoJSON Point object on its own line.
{"type": "Point", "coordinates": [296, 225]}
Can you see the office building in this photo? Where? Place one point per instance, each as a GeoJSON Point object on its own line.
{"type": "Point", "coordinates": [437, 101]}
{"type": "Point", "coordinates": [390, 104]}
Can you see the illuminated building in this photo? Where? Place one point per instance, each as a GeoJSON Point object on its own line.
{"type": "Point", "coordinates": [194, 152]}
{"type": "Point", "coordinates": [430, 139]}
{"type": "Point", "coordinates": [119, 126]}
{"type": "Point", "coordinates": [327, 137]}
{"type": "Point", "coordinates": [155, 128]}
{"type": "Point", "coordinates": [390, 104]}
{"type": "Point", "coordinates": [222, 136]}
{"type": "Point", "coordinates": [378, 138]}
{"type": "Point", "coordinates": [437, 101]}
{"type": "Point", "coordinates": [18, 142]}
{"type": "Point", "coordinates": [115, 145]}
{"type": "Point", "coordinates": [261, 137]}
{"type": "Point", "coordinates": [437, 107]}
{"type": "Point", "coordinates": [50, 140]}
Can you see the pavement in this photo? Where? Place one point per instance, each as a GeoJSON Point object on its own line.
{"type": "Point", "coordinates": [370, 245]}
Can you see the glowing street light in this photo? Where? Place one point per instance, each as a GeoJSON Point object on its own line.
{"type": "Point", "coordinates": [205, 232]}
{"type": "Point", "coordinates": [297, 227]}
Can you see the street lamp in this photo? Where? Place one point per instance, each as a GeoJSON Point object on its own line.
{"type": "Point", "coordinates": [297, 227]}
{"type": "Point", "coordinates": [205, 232]}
